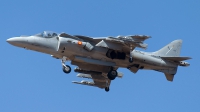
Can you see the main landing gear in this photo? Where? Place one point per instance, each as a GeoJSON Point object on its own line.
{"type": "Point", "coordinates": [112, 74]}
{"type": "Point", "coordinates": [107, 86]}
{"type": "Point", "coordinates": [66, 68]}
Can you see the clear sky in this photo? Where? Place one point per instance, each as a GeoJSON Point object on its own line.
{"type": "Point", "coordinates": [34, 82]}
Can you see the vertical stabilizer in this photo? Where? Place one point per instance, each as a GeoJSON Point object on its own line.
{"type": "Point", "coordinates": [171, 50]}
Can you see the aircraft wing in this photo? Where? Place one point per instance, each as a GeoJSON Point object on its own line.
{"type": "Point", "coordinates": [120, 43]}
{"type": "Point", "coordinates": [92, 41]}
{"type": "Point", "coordinates": [99, 80]}
{"type": "Point", "coordinates": [90, 64]}
{"type": "Point", "coordinates": [124, 43]}
{"type": "Point", "coordinates": [92, 69]}
{"type": "Point", "coordinates": [98, 73]}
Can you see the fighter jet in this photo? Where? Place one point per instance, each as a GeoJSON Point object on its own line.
{"type": "Point", "coordinates": [99, 58]}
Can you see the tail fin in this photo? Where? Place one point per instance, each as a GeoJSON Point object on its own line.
{"type": "Point", "coordinates": [172, 49]}
{"type": "Point", "coordinates": [170, 52]}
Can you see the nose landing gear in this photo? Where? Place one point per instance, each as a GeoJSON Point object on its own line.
{"type": "Point", "coordinates": [66, 68]}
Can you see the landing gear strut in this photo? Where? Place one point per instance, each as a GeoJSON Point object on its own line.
{"type": "Point", "coordinates": [66, 68]}
{"type": "Point", "coordinates": [112, 74]}
{"type": "Point", "coordinates": [107, 86]}
{"type": "Point", "coordinates": [131, 58]}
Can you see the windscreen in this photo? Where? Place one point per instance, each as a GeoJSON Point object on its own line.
{"type": "Point", "coordinates": [47, 34]}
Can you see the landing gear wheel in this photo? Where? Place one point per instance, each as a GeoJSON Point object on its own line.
{"type": "Point", "coordinates": [66, 69]}
{"type": "Point", "coordinates": [112, 74]}
{"type": "Point", "coordinates": [107, 89]}
{"type": "Point", "coordinates": [131, 60]}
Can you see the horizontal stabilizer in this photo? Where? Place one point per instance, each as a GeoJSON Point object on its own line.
{"type": "Point", "coordinates": [169, 77]}
{"type": "Point", "coordinates": [176, 58]}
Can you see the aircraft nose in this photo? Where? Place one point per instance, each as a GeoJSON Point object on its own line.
{"type": "Point", "coordinates": [10, 40]}
{"type": "Point", "coordinates": [16, 41]}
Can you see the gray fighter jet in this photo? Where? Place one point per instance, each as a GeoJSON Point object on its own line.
{"type": "Point", "coordinates": [99, 58]}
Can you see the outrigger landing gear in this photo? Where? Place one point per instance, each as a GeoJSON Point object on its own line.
{"type": "Point", "coordinates": [66, 68]}
{"type": "Point", "coordinates": [107, 86]}
{"type": "Point", "coordinates": [131, 58]}
{"type": "Point", "coordinates": [107, 89]}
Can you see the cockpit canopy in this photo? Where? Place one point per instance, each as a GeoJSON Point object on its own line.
{"type": "Point", "coordinates": [47, 34]}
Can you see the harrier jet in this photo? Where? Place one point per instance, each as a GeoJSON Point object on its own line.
{"type": "Point", "coordinates": [99, 58]}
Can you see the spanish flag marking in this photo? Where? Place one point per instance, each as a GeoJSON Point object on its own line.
{"type": "Point", "coordinates": [79, 43]}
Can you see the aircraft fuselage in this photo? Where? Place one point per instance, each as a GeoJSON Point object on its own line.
{"type": "Point", "coordinates": [69, 47]}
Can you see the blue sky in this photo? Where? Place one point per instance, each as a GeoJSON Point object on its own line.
{"type": "Point", "coordinates": [34, 82]}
